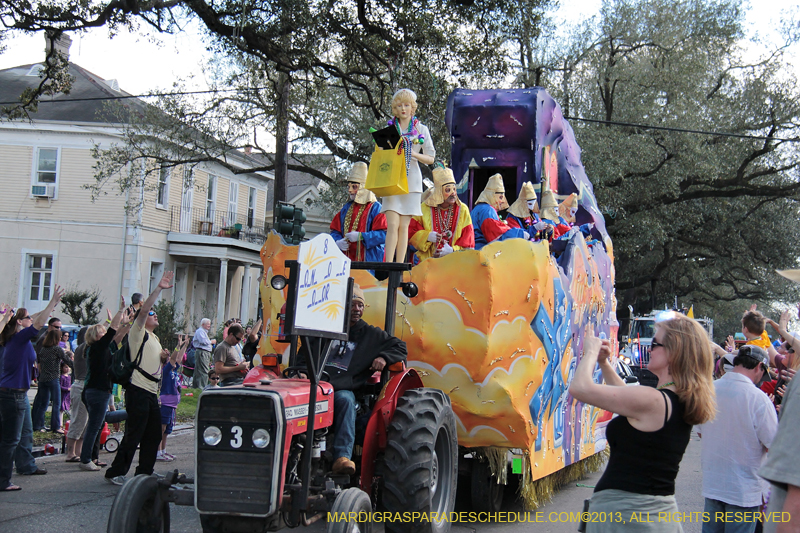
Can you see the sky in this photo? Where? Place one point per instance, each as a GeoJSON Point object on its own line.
{"type": "Point", "coordinates": [141, 65]}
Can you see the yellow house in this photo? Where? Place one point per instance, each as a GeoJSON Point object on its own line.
{"type": "Point", "coordinates": [205, 223]}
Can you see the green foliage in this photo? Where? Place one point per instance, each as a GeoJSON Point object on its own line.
{"type": "Point", "coordinates": [82, 306]}
{"type": "Point", "coordinates": [702, 217]}
{"type": "Point", "coordinates": [170, 323]}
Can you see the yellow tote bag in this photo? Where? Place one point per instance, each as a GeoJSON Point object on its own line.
{"type": "Point", "coordinates": [387, 175]}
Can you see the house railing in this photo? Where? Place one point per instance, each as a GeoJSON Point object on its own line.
{"type": "Point", "coordinates": [216, 223]}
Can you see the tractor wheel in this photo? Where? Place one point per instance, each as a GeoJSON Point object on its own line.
{"type": "Point", "coordinates": [352, 500]}
{"type": "Point", "coordinates": [486, 493]}
{"type": "Point", "coordinates": [421, 461]}
{"type": "Point", "coordinates": [132, 510]}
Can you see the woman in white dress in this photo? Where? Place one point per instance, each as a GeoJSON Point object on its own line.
{"type": "Point", "coordinates": [399, 209]}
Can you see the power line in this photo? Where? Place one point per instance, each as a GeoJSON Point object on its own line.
{"type": "Point", "coordinates": [579, 119]}
{"type": "Point", "coordinates": [682, 130]}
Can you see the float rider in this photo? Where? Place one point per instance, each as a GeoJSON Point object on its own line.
{"type": "Point", "coordinates": [445, 224]}
{"type": "Point", "coordinates": [485, 222]}
{"type": "Point", "coordinates": [359, 229]}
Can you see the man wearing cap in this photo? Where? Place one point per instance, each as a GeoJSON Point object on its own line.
{"type": "Point", "coordinates": [445, 224]}
{"type": "Point", "coordinates": [735, 443]}
{"type": "Point", "coordinates": [360, 228]}
{"type": "Point", "coordinates": [368, 349]}
{"type": "Point", "coordinates": [486, 224]}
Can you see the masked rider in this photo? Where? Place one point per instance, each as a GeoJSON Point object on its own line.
{"type": "Point", "coordinates": [360, 228]}
{"type": "Point", "coordinates": [486, 223]}
{"type": "Point", "coordinates": [522, 214]}
{"type": "Point", "coordinates": [445, 224]}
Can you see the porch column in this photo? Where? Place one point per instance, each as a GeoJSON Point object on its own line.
{"type": "Point", "coordinates": [244, 307]}
{"type": "Point", "coordinates": [223, 291]}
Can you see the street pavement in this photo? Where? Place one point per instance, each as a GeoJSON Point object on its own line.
{"type": "Point", "coordinates": [68, 499]}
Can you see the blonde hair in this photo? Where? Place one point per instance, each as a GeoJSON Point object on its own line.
{"type": "Point", "coordinates": [94, 333]}
{"type": "Point", "coordinates": [404, 95]}
{"type": "Point", "coordinates": [691, 366]}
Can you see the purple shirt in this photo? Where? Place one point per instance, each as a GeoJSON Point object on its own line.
{"type": "Point", "coordinates": [18, 360]}
{"type": "Point", "coordinates": [170, 386]}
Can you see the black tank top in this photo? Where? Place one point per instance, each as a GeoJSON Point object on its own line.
{"type": "Point", "coordinates": [646, 462]}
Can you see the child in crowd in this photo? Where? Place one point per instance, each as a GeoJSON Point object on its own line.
{"type": "Point", "coordinates": [170, 396]}
{"type": "Point", "coordinates": [66, 383]}
{"type": "Point", "coordinates": [213, 380]}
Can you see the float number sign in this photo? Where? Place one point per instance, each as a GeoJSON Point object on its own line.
{"type": "Point", "coordinates": [322, 286]}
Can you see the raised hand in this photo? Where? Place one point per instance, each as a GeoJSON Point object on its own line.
{"type": "Point", "coordinates": [591, 344]}
{"type": "Point", "coordinates": [166, 280]}
{"type": "Point", "coordinates": [784, 320]}
{"type": "Point", "coordinates": [730, 344]}
{"type": "Point", "coordinates": [58, 293]}
{"type": "Point", "coordinates": [605, 351]}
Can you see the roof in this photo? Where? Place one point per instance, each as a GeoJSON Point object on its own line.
{"type": "Point", "coordinates": [297, 181]}
{"type": "Point", "coordinates": [13, 81]}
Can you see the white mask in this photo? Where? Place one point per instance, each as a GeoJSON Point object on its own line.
{"type": "Point", "coordinates": [531, 205]}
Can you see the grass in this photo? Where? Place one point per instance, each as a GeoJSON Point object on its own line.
{"type": "Point", "coordinates": [188, 406]}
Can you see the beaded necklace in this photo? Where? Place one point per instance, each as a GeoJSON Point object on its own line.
{"type": "Point", "coordinates": [665, 385]}
{"type": "Point", "coordinates": [445, 221]}
{"type": "Point", "coordinates": [409, 138]}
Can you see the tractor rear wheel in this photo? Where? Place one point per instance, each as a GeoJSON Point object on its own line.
{"type": "Point", "coordinates": [421, 461]}
{"type": "Point", "coordinates": [136, 509]}
{"type": "Point", "coordinates": [352, 500]}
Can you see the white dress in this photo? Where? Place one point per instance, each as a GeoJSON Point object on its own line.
{"type": "Point", "coordinates": [409, 204]}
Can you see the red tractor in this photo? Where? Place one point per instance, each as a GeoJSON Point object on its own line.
{"type": "Point", "coordinates": [261, 463]}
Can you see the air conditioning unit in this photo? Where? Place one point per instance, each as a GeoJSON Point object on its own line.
{"type": "Point", "coordinates": [43, 191]}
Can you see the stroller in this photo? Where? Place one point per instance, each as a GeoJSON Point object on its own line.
{"type": "Point", "coordinates": [108, 441]}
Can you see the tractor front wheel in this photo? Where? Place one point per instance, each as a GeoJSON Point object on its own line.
{"type": "Point", "coordinates": [137, 508]}
{"type": "Point", "coordinates": [352, 500]}
{"type": "Point", "coordinates": [421, 461]}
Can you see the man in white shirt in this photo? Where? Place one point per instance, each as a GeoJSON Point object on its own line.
{"type": "Point", "coordinates": [735, 444]}
{"type": "Point", "coordinates": [203, 347]}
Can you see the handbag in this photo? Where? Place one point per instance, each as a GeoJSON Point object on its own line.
{"type": "Point", "coordinates": [387, 175]}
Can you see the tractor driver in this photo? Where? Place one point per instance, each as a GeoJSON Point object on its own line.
{"type": "Point", "coordinates": [368, 349]}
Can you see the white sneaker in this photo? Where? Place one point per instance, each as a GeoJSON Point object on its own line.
{"type": "Point", "coordinates": [89, 467]}
{"type": "Point", "coordinates": [163, 457]}
{"type": "Point", "coordinates": [116, 480]}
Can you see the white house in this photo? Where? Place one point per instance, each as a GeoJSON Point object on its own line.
{"type": "Point", "coordinates": [205, 223]}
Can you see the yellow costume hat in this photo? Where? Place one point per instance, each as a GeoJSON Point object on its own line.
{"type": "Point", "coordinates": [520, 206]}
{"type": "Point", "coordinates": [569, 202]}
{"type": "Point", "coordinates": [548, 204]}
{"type": "Point", "coordinates": [441, 177]}
{"type": "Point", "coordinates": [358, 174]}
{"type": "Point", "coordinates": [494, 186]}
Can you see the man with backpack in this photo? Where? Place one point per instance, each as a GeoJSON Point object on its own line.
{"type": "Point", "coordinates": [143, 428]}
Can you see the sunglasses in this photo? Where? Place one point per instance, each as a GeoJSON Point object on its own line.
{"type": "Point", "coordinates": [26, 318]}
{"type": "Point", "coordinates": [655, 344]}
{"type": "Point", "coordinates": [151, 313]}
{"type": "Point", "coordinates": [214, 379]}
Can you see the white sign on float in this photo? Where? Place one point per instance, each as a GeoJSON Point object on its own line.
{"type": "Point", "coordinates": [322, 288]}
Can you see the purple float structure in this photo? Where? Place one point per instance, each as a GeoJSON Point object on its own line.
{"type": "Point", "coordinates": [506, 131]}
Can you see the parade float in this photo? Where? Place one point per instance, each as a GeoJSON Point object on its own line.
{"type": "Point", "coordinates": [500, 329]}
